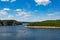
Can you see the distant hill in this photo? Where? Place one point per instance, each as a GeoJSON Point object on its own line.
{"type": "Point", "coordinates": [46, 23]}
{"type": "Point", "coordinates": [9, 23]}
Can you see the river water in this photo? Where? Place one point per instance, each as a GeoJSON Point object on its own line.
{"type": "Point", "coordinates": [22, 33]}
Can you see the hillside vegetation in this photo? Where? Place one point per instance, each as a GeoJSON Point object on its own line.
{"type": "Point", "coordinates": [9, 23]}
{"type": "Point", "coordinates": [46, 23]}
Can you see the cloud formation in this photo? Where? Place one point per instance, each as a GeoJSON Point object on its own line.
{"type": "Point", "coordinates": [3, 12]}
{"type": "Point", "coordinates": [51, 14]}
{"type": "Point", "coordinates": [23, 13]}
{"type": "Point", "coordinates": [18, 10]}
{"type": "Point", "coordinates": [10, 17]}
{"type": "Point", "coordinates": [12, 0]}
{"type": "Point", "coordinates": [54, 14]}
{"type": "Point", "coordinates": [8, 0]}
{"type": "Point", "coordinates": [42, 2]}
{"type": "Point", "coordinates": [6, 9]}
{"type": "Point", "coordinates": [6, 14]}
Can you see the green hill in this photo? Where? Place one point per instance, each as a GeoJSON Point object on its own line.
{"type": "Point", "coordinates": [9, 23]}
{"type": "Point", "coordinates": [46, 23]}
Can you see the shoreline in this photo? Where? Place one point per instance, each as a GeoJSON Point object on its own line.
{"type": "Point", "coordinates": [42, 27]}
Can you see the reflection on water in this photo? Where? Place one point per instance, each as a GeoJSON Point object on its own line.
{"type": "Point", "coordinates": [22, 33]}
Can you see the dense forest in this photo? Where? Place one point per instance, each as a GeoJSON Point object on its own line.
{"type": "Point", "coordinates": [46, 23]}
{"type": "Point", "coordinates": [9, 23]}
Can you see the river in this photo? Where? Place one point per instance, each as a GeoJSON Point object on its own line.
{"type": "Point", "coordinates": [20, 32]}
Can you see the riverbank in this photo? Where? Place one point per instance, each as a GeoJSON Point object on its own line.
{"type": "Point", "coordinates": [42, 27]}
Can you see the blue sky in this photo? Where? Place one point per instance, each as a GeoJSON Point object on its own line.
{"type": "Point", "coordinates": [29, 10]}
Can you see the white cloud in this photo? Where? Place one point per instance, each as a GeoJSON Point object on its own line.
{"type": "Point", "coordinates": [3, 12]}
{"type": "Point", "coordinates": [9, 17]}
{"type": "Point", "coordinates": [54, 14]}
{"type": "Point", "coordinates": [13, 0]}
{"type": "Point", "coordinates": [23, 14]}
{"type": "Point", "coordinates": [42, 2]}
{"type": "Point", "coordinates": [6, 9]}
{"type": "Point", "coordinates": [18, 10]}
{"type": "Point", "coordinates": [8, 0]}
{"type": "Point", "coordinates": [4, 0]}
{"type": "Point", "coordinates": [51, 14]}
{"type": "Point", "coordinates": [19, 14]}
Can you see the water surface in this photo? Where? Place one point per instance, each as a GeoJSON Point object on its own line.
{"type": "Point", "coordinates": [22, 33]}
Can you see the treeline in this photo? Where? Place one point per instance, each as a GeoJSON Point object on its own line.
{"type": "Point", "coordinates": [9, 23]}
{"type": "Point", "coordinates": [46, 23]}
